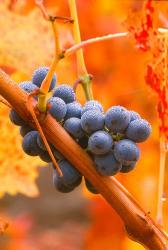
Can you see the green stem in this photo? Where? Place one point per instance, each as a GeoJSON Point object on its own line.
{"type": "Point", "coordinates": [86, 84]}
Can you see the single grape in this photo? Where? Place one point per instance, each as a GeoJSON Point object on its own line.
{"type": "Point", "coordinates": [126, 169]}
{"type": "Point", "coordinates": [25, 129]}
{"type": "Point", "coordinates": [42, 146]}
{"type": "Point", "coordinates": [138, 130]}
{"type": "Point", "coordinates": [100, 143]}
{"type": "Point", "coordinates": [126, 152]}
{"type": "Point", "coordinates": [92, 105]}
{"type": "Point", "coordinates": [90, 187]}
{"type": "Point", "coordinates": [117, 119]}
{"type": "Point", "coordinates": [71, 177]}
{"type": "Point", "coordinates": [134, 115]}
{"type": "Point", "coordinates": [58, 108]}
{"type": "Point", "coordinates": [39, 75]}
{"type": "Point", "coordinates": [59, 184]}
{"type": "Point", "coordinates": [40, 142]}
{"type": "Point", "coordinates": [15, 118]}
{"type": "Point", "coordinates": [27, 86]}
{"type": "Point", "coordinates": [73, 126]}
{"type": "Point", "coordinates": [74, 109]}
{"type": "Point", "coordinates": [92, 120]}
{"type": "Point", "coordinates": [107, 164]}
{"type": "Point", "coordinates": [65, 92]}
{"type": "Point", "coordinates": [29, 144]}
{"type": "Point", "coordinates": [44, 156]}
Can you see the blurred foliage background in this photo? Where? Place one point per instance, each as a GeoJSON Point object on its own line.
{"type": "Point", "coordinates": [79, 220]}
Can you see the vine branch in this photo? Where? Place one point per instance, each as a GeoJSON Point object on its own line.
{"type": "Point", "coordinates": [139, 225]}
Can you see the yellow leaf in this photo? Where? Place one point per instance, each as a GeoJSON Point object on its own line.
{"type": "Point", "coordinates": [27, 42]}
{"type": "Point", "coordinates": [18, 171]}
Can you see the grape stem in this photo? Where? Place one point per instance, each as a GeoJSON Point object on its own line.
{"type": "Point", "coordinates": [139, 225]}
{"type": "Point", "coordinates": [81, 67]}
{"type": "Point", "coordinates": [2, 100]}
{"type": "Point", "coordinates": [42, 97]}
{"type": "Point", "coordinates": [82, 44]}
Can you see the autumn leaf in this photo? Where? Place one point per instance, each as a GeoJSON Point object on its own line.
{"type": "Point", "coordinates": [18, 171]}
{"type": "Point", "coordinates": [144, 26]}
{"type": "Point", "coordinates": [27, 41]}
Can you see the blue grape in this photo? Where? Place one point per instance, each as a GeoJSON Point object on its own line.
{"type": "Point", "coordinates": [30, 145]}
{"type": "Point", "coordinates": [92, 105]}
{"type": "Point", "coordinates": [92, 120]}
{"type": "Point", "coordinates": [134, 115]}
{"type": "Point", "coordinates": [100, 143]}
{"type": "Point", "coordinates": [126, 152]}
{"type": "Point", "coordinates": [15, 118]}
{"type": "Point", "coordinates": [59, 184]}
{"type": "Point", "coordinates": [90, 187]}
{"type": "Point", "coordinates": [27, 86]}
{"type": "Point", "coordinates": [65, 92]}
{"type": "Point", "coordinates": [71, 176]}
{"type": "Point", "coordinates": [44, 156]}
{"type": "Point", "coordinates": [39, 75]}
{"type": "Point", "coordinates": [58, 108]}
{"type": "Point", "coordinates": [73, 126]}
{"type": "Point", "coordinates": [74, 109]}
{"type": "Point", "coordinates": [128, 168]}
{"type": "Point", "coordinates": [107, 164]}
{"type": "Point", "coordinates": [40, 142]}
{"type": "Point", "coordinates": [42, 146]}
{"type": "Point", "coordinates": [117, 119]}
{"type": "Point", "coordinates": [25, 129]}
{"type": "Point", "coordinates": [138, 130]}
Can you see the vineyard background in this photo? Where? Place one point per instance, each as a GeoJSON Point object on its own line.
{"type": "Point", "coordinates": [78, 220]}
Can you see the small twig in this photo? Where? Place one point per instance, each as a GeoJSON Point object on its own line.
{"type": "Point", "coordinates": [61, 18]}
{"type": "Point", "coordinates": [48, 17]}
{"type": "Point", "coordinates": [79, 81]}
{"type": "Point", "coordinates": [5, 102]}
{"type": "Point", "coordinates": [40, 4]}
{"type": "Point", "coordinates": [82, 44]}
{"type": "Point", "coordinates": [76, 83]}
{"type": "Point", "coordinates": [33, 114]}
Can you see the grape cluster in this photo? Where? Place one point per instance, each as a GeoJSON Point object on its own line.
{"type": "Point", "coordinates": [110, 138]}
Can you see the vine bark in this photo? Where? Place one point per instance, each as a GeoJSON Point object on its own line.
{"type": "Point", "coordinates": [139, 225]}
